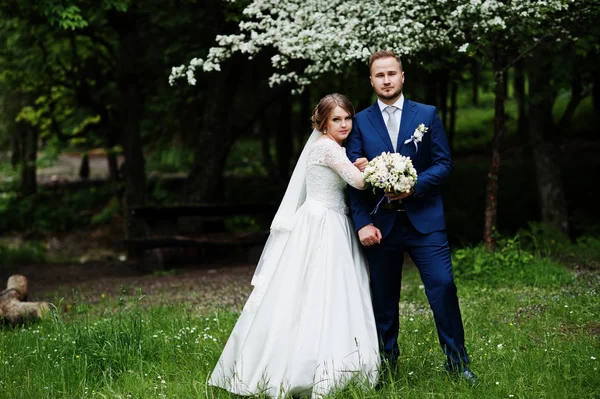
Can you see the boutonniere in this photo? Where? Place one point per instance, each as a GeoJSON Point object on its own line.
{"type": "Point", "coordinates": [417, 136]}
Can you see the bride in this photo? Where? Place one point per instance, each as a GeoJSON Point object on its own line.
{"type": "Point", "coordinates": [308, 326]}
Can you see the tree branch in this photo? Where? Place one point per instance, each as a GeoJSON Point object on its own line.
{"type": "Point", "coordinates": [577, 95]}
{"type": "Point", "coordinates": [527, 51]}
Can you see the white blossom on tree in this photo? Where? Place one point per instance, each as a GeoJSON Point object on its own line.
{"type": "Point", "coordinates": [327, 35]}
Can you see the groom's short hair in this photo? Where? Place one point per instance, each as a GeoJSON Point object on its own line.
{"type": "Point", "coordinates": [383, 54]}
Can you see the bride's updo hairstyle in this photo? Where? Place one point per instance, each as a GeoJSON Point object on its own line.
{"type": "Point", "coordinates": [326, 106]}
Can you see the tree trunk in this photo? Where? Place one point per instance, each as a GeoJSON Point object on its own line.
{"type": "Point", "coordinates": [129, 103]}
{"type": "Point", "coordinates": [113, 166]}
{"type": "Point", "coordinates": [553, 205]}
{"type": "Point", "coordinates": [84, 167]}
{"type": "Point", "coordinates": [452, 122]}
{"type": "Point", "coordinates": [491, 206]}
{"type": "Point", "coordinates": [304, 127]}
{"type": "Point", "coordinates": [205, 180]}
{"type": "Point", "coordinates": [111, 156]}
{"type": "Point", "coordinates": [16, 156]}
{"type": "Point", "coordinates": [11, 106]}
{"type": "Point", "coordinates": [443, 96]}
{"type": "Point", "coordinates": [29, 170]}
{"type": "Point", "coordinates": [431, 91]}
{"type": "Point", "coordinates": [596, 92]}
{"type": "Point", "coordinates": [13, 308]}
{"type": "Point", "coordinates": [519, 80]}
{"type": "Point", "coordinates": [265, 140]}
{"type": "Point", "coordinates": [284, 138]}
{"type": "Point", "coordinates": [475, 71]}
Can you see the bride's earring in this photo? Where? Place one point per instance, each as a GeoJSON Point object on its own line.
{"type": "Point", "coordinates": [324, 131]}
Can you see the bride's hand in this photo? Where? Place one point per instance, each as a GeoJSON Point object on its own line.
{"type": "Point", "coordinates": [361, 163]}
{"type": "Point", "coordinates": [369, 235]}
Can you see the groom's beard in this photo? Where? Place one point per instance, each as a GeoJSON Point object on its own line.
{"type": "Point", "coordinates": [391, 96]}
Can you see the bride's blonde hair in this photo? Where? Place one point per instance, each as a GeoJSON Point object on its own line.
{"type": "Point", "coordinates": [326, 106]}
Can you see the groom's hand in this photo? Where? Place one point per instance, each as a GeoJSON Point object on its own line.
{"type": "Point", "coordinates": [399, 196]}
{"type": "Point", "coordinates": [369, 235]}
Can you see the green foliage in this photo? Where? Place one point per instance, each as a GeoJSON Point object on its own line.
{"type": "Point", "coordinates": [162, 193]}
{"type": "Point", "coordinates": [245, 159]}
{"type": "Point", "coordinates": [475, 127]}
{"type": "Point", "coordinates": [552, 243]}
{"type": "Point", "coordinates": [9, 181]}
{"type": "Point", "coordinates": [119, 5]}
{"type": "Point", "coordinates": [509, 264]}
{"type": "Point", "coordinates": [588, 247]}
{"type": "Point", "coordinates": [584, 120]}
{"type": "Point", "coordinates": [61, 13]}
{"type": "Point", "coordinates": [543, 239]}
{"type": "Point", "coordinates": [108, 214]}
{"type": "Point", "coordinates": [55, 211]}
{"type": "Point", "coordinates": [29, 252]}
{"type": "Point", "coordinates": [247, 224]}
{"type": "Point", "coordinates": [170, 159]}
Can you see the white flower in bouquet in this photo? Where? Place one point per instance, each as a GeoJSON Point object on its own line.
{"type": "Point", "coordinates": [391, 172]}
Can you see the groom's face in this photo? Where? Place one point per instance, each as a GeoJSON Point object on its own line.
{"type": "Point", "coordinates": [387, 79]}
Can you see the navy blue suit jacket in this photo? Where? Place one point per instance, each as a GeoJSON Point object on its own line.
{"type": "Point", "coordinates": [369, 138]}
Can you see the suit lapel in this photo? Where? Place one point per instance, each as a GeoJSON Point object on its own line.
{"type": "Point", "coordinates": [376, 120]}
{"type": "Point", "coordinates": [408, 114]}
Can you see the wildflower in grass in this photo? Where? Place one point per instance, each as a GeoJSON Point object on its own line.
{"type": "Point", "coordinates": [593, 357]}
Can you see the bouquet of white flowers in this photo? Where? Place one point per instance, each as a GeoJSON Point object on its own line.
{"type": "Point", "coordinates": [391, 172]}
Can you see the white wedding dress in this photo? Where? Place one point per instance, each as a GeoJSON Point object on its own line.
{"type": "Point", "coordinates": [308, 326]}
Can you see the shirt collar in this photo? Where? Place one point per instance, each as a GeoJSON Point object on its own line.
{"type": "Point", "coordinates": [398, 104]}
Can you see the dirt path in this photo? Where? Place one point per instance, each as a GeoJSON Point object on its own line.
{"type": "Point", "coordinates": [66, 168]}
{"type": "Point", "coordinates": [206, 287]}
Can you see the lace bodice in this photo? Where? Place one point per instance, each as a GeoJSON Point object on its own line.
{"type": "Point", "coordinates": [328, 169]}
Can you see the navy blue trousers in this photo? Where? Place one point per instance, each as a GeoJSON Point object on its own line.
{"type": "Point", "coordinates": [431, 255]}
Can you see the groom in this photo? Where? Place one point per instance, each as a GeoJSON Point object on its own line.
{"type": "Point", "coordinates": [416, 224]}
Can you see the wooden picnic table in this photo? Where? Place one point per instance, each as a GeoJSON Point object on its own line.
{"type": "Point", "coordinates": [194, 234]}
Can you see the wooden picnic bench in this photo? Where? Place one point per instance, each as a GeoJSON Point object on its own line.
{"type": "Point", "coordinates": [194, 234]}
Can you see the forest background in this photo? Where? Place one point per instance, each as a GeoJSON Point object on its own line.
{"type": "Point", "coordinates": [92, 81]}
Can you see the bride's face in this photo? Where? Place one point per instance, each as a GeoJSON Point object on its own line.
{"type": "Point", "coordinates": [339, 124]}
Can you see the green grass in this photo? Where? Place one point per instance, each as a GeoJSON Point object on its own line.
{"type": "Point", "coordinates": [526, 340]}
{"type": "Point", "coordinates": [26, 253]}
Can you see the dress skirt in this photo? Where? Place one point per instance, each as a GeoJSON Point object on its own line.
{"type": "Point", "coordinates": [313, 329]}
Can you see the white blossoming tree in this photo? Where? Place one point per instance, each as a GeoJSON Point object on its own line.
{"type": "Point", "coordinates": [312, 37]}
